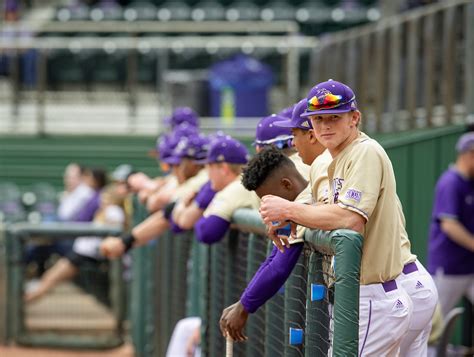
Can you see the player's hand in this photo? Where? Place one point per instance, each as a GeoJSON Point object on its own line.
{"type": "Point", "coordinates": [188, 199]}
{"type": "Point", "coordinates": [281, 241]}
{"type": "Point", "coordinates": [139, 181]}
{"type": "Point", "coordinates": [193, 342]}
{"type": "Point", "coordinates": [112, 247]}
{"type": "Point", "coordinates": [233, 321]}
{"type": "Point", "coordinates": [274, 209]}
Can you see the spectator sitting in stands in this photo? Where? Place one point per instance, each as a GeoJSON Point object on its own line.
{"type": "Point", "coordinates": [76, 193]}
{"type": "Point", "coordinates": [185, 155]}
{"type": "Point", "coordinates": [119, 178]}
{"type": "Point", "coordinates": [84, 249]}
{"type": "Point", "coordinates": [95, 180]}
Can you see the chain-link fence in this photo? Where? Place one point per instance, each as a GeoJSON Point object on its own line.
{"type": "Point", "coordinates": [316, 313]}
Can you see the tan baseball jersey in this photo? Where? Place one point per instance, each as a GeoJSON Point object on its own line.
{"type": "Point", "coordinates": [302, 168]}
{"type": "Point", "coordinates": [362, 180]}
{"type": "Point", "coordinates": [193, 184]}
{"type": "Point", "coordinates": [318, 177]}
{"type": "Point", "coordinates": [317, 189]}
{"type": "Point", "coordinates": [231, 198]}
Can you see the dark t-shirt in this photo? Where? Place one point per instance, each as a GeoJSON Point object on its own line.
{"type": "Point", "coordinates": [454, 198]}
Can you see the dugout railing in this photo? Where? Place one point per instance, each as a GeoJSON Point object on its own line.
{"type": "Point", "coordinates": [316, 312]}
{"type": "Point", "coordinates": [409, 71]}
{"type": "Point", "coordinates": [89, 313]}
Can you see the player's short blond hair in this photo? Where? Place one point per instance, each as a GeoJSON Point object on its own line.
{"type": "Point", "coordinates": [235, 168]}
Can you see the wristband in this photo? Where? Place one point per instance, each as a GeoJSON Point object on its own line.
{"type": "Point", "coordinates": [128, 241]}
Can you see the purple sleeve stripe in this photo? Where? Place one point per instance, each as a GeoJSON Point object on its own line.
{"type": "Point", "coordinates": [353, 208]}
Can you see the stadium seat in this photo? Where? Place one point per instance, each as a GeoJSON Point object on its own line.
{"type": "Point", "coordinates": [208, 11]}
{"type": "Point", "coordinates": [106, 11]}
{"type": "Point", "coordinates": [45, 203]}
{"type": "Point", "coordinates": [174, 11]}
{"type": "Point", "coordinates": [140, 11]}
{"type": "Point", "coordinates": [277, 10]}
{"type": "Point", "coordinates": [313, 12]}
{"type": "Point", "coordinates": [242, 11]}
{"type": "Point", "coordinates": [11, 208]}
{"type": "Point", "coordinates": [79, 12]}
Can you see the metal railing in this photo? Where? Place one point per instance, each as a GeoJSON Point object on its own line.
{"type": "Point", "coordinates": [193, 279]}
{"type": "Point", "coordinates": [17, 235]}
{"type": "Point", "coordinates": [409, 71]}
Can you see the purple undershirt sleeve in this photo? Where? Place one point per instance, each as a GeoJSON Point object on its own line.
{"type": "Point", "coordinates": [270, 277]}
{"type": "Point", "coordinates": [205, 196]}
{"type": "Point", "coordinates": [211, 229]}
{"type": "Point", "coordinates": [174, 227]}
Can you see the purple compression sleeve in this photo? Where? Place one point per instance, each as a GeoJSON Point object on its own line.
{"type": "Point", "coordinates": [205, 196]}
{"type": "Point", "coordinates": [211, 229]}
{"type": "Point", "coordinates": [270, 277]}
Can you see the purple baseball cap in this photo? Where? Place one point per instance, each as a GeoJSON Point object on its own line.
{"type": "Point", "coordinates": [330, 97]}
{"type": "Point", "coordinates": [269, 133]}
{"type": "Point", "coordinates": [297, 121]}
{"type": "Point", "coordinates": [227, 149]}
{"type": "Point", "coordinates": [166, 143]}
{"type": "Point", "coordinates": [195, 148]}
{"type": "Point", "coordinates": [183, 115]}
{"type": "Point", "coordinates": [287, 112]}
{"type": "Point", "coordinates": [465, 143]}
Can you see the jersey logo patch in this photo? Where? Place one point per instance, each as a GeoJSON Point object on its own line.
{"type": "Point", "coordinates": [353, 195]}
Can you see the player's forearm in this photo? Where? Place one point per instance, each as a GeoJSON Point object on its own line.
{"type": "Point", "coordinates": [270, 277]}
{"type": "Point", "coordinates": [150, 228]}
{"type": "Point", "coordinates": [189, 217]}
{"type": "Point", "coordinates": [325, 217]}
{"type": "Point", "coordinates": [458, 233]}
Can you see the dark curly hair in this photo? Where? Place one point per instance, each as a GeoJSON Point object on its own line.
{"type": "Point", "coordinates": [263, 165]}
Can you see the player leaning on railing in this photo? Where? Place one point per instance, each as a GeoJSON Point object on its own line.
{"type": "Point", "coordinates": [363, 198]}
{"type": "Point", "coordinates": [272, 172]}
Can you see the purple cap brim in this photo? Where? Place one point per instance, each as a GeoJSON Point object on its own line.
{"type": "Point", "coordinates": [201, 161]}
{"type": "Point", "coordinates": [172, 160]}
{"type": "Point", "coordinates": [285, 124]}
{"type": "Point", "coordinates": [327, 111]}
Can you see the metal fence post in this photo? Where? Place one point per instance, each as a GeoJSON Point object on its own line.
{"type": "Point", "coordinates": [256, 324]}
{"type": "Point", "coordinates": [469, 60]}
{"type": "Point", "coordinates": [275, 321]}
{"type": "Point", "coordinates": [295, 303]}
{"type": "Point", "coordinates": [317, 337]}
{"type": "Point", "coordinates": [40, 92]}
{"type": "Point", "coordinates": [3, 287]}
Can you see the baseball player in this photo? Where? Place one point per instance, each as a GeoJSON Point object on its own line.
{"type": "Point", "coordinates": [266, 174]}
{"type": "Point", "coordinates": [225, 161]}
{"type": "Point", "coordinates": [187, 152]}
{"type": "Point", "coordinates": [182, 115]}
{"type": "Point", "coordinates": [269, 172]}
{"type": "Point", "coordinates": [362, 198]}
{"type": "Point", "coordinates": [268, 133]}
{"type": "Point", "coordinates": [451, 244]}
